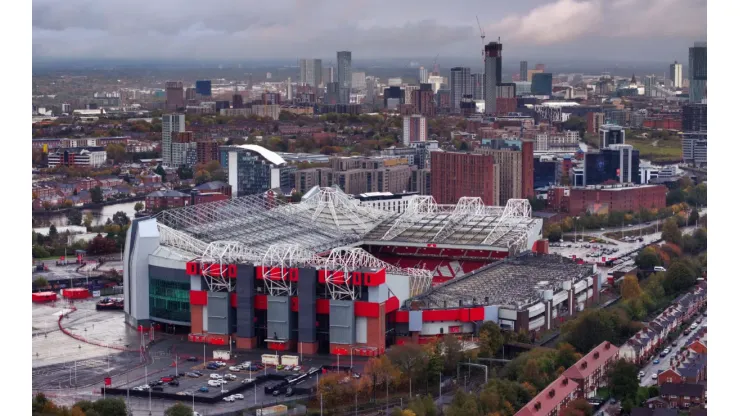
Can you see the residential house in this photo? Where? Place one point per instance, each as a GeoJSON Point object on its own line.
{"type": "Point", "coordinates": [108, 181]}
{"type": "Point", "coordinates": [590, 372]}
{"type": "Point", "coordinates": [687, 368]}
{"type": "Point", "coordinates": [215, 186]}
{"type": "Point", "coordinates": [552, 399]}
{"type": "Point", "coordinates": [80, 199]}
{"type": "Point", "coordinates": [159, 200]}
{"type": "Point", "coordinates": [679, 396]}
{"type": "Point", "coordinates": [150, 177]}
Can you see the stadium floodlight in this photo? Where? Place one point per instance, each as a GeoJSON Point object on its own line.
{"type": "Point", "coordinates": [277, 262]}
{"type": "Point", "coordinates": [466, 208]}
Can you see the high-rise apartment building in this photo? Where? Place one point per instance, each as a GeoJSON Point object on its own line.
{"type": "Point", "coordinates": [460, 86]}
{"type": "Point", "coordinates": [358, 80]}
{"type": "Point", "coordinates": [610, 134]}
{"type": "Point", "coordinates": [523, 71]}
{"type": "Point", "coordinates": [477, 86]}
{"type": "Point", "coordinates": [328, 75]}
{"type": "Point", "coordinates": [423, 100]}
{"type": "Point", "coordinates": [492, 75]}
{"type": "Point", "coordinates": [311, 72]}
{"type": "Point", "coordinates": [175, 95]}
{"type": "Point", "coordinates": [414, 129]}
{"type": "Point", "coordinates": [184, 149]}
{"type": "Point", "coordinates": [203, 88]}
{"type": "Point", "coordinates": [423, 75]}
{"type": "Point", "coordinates": [698, 72]}
{"type": "Point", "coordinates": [515, 162]}
{"type": "Point", "coordinates": [172, 124]}
{"type": "Point", "coordinates": [455, 175]}
{"type": "Point", "coordinates": [694, 117]}
{"type": "Point", "coordinates": [252, 169]}
{"type": "Point", "coordinates": [676, 72]}
{"type": "Point", "coordinates": [289, 89]}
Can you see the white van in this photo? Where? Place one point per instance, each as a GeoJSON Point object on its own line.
{"type": "Point", "coordinates": [658, 269]}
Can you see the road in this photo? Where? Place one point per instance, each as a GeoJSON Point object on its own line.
{"type": "Point", "coordinates": [599, 233]}
{"type": "Point", "coordinates": [651, 368]}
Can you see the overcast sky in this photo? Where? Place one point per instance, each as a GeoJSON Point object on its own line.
{"type": "Point", "coordinates": [234, 30]}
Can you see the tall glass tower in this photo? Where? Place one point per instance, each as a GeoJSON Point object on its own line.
{"type": "Point", "coordinates": [698, 72]}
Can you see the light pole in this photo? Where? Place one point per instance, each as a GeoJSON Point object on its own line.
{"type": "Point", "coordinates": [193, 393]}
{"type": "Point", "coordinates": [440, 388]}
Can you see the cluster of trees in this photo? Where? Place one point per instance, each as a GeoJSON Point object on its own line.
{"type": "Point", "coordinates": [42, 406]}
{"type": "Point", "coordinates": [694, 195]}
{"type": "Point", "coordinates": [207, 172]}
{"type": "Point", "coordinates": [110, 239]}
{"type": "Point", "coordinates": [625, 387]}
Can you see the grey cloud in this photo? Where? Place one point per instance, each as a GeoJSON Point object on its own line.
{"type": "Point", "coordinates": [238, 29]}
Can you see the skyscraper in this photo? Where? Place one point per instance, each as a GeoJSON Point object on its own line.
{"type": "Point", "coordinates": [492, 75]}
{"type": "Point", "coordinates": [423, 100]}
{"type": "Point", "coordinates": [311, 72]}
{"type": "Point", "coordinates": [697, 72]}
{"type": "Point", "coordinates": [175, 95]}
{"type": "Point", "coordinates": [172, 124]}
{"type": "Point", "coordinates": [477, 86]}
{"type": "Point", "coordinates": [289, 89]}
{"type": "Point", "coordinates": [414, 129]}
{"type": "Point", "coordinates": [523, 71]}
{"type": "Point", "coordinates": [460, 85]}
{"type": "Point", "coordinates": [542, 84]}
{"type": "Point", "coordinates": [423, 75]}
{"type": "Point", "coordinates": [677, 74]}
{"type": "Point", "coordinates": [203, 88]}
{"type": "Point", "coordinates": [344, 74]}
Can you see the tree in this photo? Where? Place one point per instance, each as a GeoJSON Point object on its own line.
{"type": "Point", "coordinates": [592, 327]}
{"type": "Point", "coordinates": [40, 283]}
{"type": "Point", "coordinates": [576, 123]}
{"type": "Point", "coordinates": [53, 232]}
{"type": "Point", "coordinates": [409, 358]}
{"type": "Point", "coordinates": [120, 218]}
{"type": "Point", "coordinates": [101, 245]}
{"type": "Point", "coordinates": [39, 252]}
{"type": "Point", "coordinates": [138, 206]}
{"type": "Point", "coordinates": [694, 217]}
{"type": "Point", "coordinates": [116, 152]}
{"type": "Point", "coordinates": [679, 277]}
{"type": "Point", "coordinates": [160, 171]}
{"type": "Point", "coordinates": [423, 406]}
{"type": "Point", "coordinates": [185, 172]}
{"type": "Point", "coordinates": [491, 339]}
{"type": "Point", "coordinates": [671, 233]}
{"type": "Point", "coordinates": [631, 287]}
{"type": "Point", "coordinates": [88, 219]}
{"type": "Point", "coordinates": [96, 195]}
{"type": "Point", "coordinates": [675, 196]}
{"type": "Point", "coordinates": [178, 409]}
{"type": "Point", "coordinates": [623, 383]}
{"type": "Point", "coordinates": [452, 349]}
{"type": "Point", "coordinates": [647, 259]}
{"type": "Point", "coordinates": [577, 407]}
{"type": "Point", "coordinates": [74, 217]}
{"type": "Point", "coordinates": [555, 233]}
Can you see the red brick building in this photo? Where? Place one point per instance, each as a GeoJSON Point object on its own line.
{"type": "Point", "coordinates": [590, 372]}
{"type": "Point", "coordinates": [661, 123]}
{"type": "Point", "coordinates": [204, 197]}
{"type": "Point", "coordinates": [552, 399]}
{"type": "Point", "coordinates": [207, 151]}
{"type": "Point", "coordinates": [157, 201]}
{"type": "Point", "coordinates": [455, 175]}
{"type": "Point", "coordinates": [505, 105]}
{"type": "Point", "coordinates": [527, 168]}
{"type": "Point", "coordinates": [616, 198]}
{"type": "Point", "coordinates": [679, 396]}
{"type": "Point", "coordinates": [593, 122]}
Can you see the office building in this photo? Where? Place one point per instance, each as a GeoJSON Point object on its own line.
{"type": "Point", "coordinates": [506, 90]}
{"type": "Point", "coordinates": [408, 93]}
{"type": "Point", "coordinates": [698, 72]}
{"type": "Point", "coordinates": [252, 169]}
{"type": "Point", "coordinates": [523, 88]}
{"type": "Point", "coordinates": [175, 95]}
{"type": "Point", "coordinates": [455, 175]}
{"type": "Point", "coordinates": [358, 81]}
{"type": "Point", "coordinates": [436, 81]}
{"type": "Point", "coordinates": [344, 72]}
{"type": "Point", "coordinates": [650, 85]}
{"type": "Point", "coordinates": [619, 198]}
{"type": "Point", "coordinates": [311, 72]}
{"type": "Point", "coordinates": [393, 93]}
{"type": "Point", "coordinates": [618, 163]}
{"type": "Point", "coordinates": [694, 148]}
{"type": "Point", "coordinates": [593, 122]}
{"type": "Point", "coordinates": [542, 84]}
{"type": "Point", "coordinates": [414, 129]}
{"type": "Point", "coordinates": [423, 75]}
{"type": "Point", "coordinates": [203, 88]}
{"type": "Point", "coordinates": [172, 124]}
{"type": "Point", "coordinates": [694, 117]}
{"type": "Point", "coordinates": [237, 101]}
{"type": "Point", "coordinates": [357, 175]}
{"type": "Point", "coordinates": [492, 75]}
{"type": "Point", "coordinates": [676, 73]}
{"type": "Point", "coordinates": [289, 89]}
{"type": "Point", "coordinates": [89, 157]}
{"type": "Point", "coordinates": [459, 86]}
{"type": "Point", "coordinates": [443, 100]}
{"type": "Point", "coordinates": [191, 96]}
{"type": "Point", "coordinates": [328, 75]}
{"type": "Point", "coordinates": [423, 100]}
{"type": "Point", "coordinates": [332, 93]}
{"type": "Point", "coordinates": [478, 86]}
{"type": "Point", "coordinates": [611, 134]}
{"type": "Point", "coordinates": [523, 71]}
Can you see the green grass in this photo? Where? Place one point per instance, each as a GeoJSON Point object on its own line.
{"type": "Point", "coordinates": [667, 150]}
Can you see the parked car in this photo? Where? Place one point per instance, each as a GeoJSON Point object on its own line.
{"type": "Point", "coordinates": [157, 388]}
{"type": "Point", "coordinates": [174, 383]}
{"type": "Point", "coordinates": [229, 399]}
{"type": "Point", "coordinates": [297, 368]}
{"type": "Point", "coordinates": [216, 376]}
{"type": "Point", "coordinates": [229, 377]}
{"type": "Point", "coordinates": [203, 389]}
{"type": "Point", "coordinates": [214, 383]}
{"type": "Point", "coordinates": [238, 396]}
{"type": "Point", "coordinates": [655, 376]}
{"type": "Point", "coordinates": [236, 369]}
{"type": "Point", "coordinates": [642, 374]}
{"type": "Point", "coordinates": [674, 343]}
{"type": "Point", "coordinates": [288, 368]}
{"type": "Point", "coordinates": [166, 379]}
{"type": "Point", "coordinates": [193, 358]}
{"type": "Point", "coordinates": [656, 361]}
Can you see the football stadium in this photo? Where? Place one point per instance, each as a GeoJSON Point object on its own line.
{"type": "Point", "coordinates": [330, 275]}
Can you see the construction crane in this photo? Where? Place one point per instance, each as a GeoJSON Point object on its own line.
{"type": "Point", "coordinates": [482, 40]}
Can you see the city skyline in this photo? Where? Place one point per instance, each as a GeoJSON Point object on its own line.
{"type": "Point", "coordinates": [660, 30]}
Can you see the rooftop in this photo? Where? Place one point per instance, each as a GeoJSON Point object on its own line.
{"type": "Point", "coordinates": [549, 398]}
{"type": "Point", "coordinates": [592, 361]}
{"type": "Point", "coordinates": [516, 281]}
{"type": "Point", "coordinates": [684, 389]}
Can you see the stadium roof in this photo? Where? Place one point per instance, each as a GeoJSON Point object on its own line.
{"type": "Point", "coordinates": [271, 156]}
{"type": "Point", "coordinates": [516, 281]}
